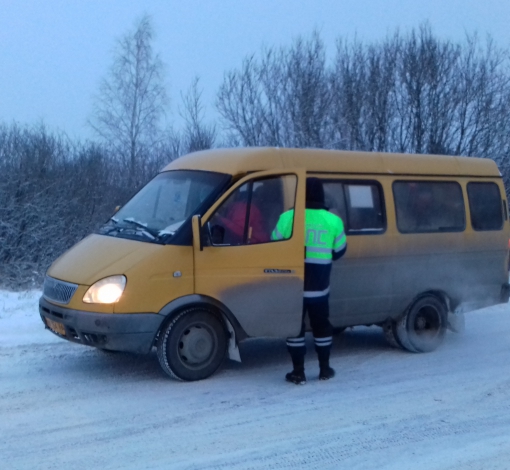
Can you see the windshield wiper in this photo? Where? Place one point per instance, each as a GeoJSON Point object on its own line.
{"type": "Point", "coordinates": [112, 228]}
{"type": "Point", "coordinates": [146, 230]}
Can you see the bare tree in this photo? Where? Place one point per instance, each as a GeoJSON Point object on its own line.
{"type": "Point", "coordinates": [282, 99]}
{"type": "Point", "coordinates": [239, 102]}
{"type": "Point", "coordinates": [411, 93]}
{"type": "Point", "coordinates": [196, 134]}
{"type": "Point", "coordinates": [307, 93]}
{"type": "Point", "coordinates": [131, 101]}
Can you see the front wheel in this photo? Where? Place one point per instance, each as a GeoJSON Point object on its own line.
{"type": "Point", "coordinates": [423, 325]}
{"type": "Point", "coordinates": [193, 345]}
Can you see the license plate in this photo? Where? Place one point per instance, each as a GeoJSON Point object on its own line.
{"type": "Point", "coordinates": [56, 327]}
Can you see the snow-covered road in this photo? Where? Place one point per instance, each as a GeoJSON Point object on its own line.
{"type": "Point", "coordinates": [65, 406]}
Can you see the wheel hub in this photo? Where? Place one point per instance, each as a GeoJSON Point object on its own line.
{"type": "Point", "coordinates": [427, 322]}
{"type": "Point", "coordinates": [196, 345]}
{"type": "Point", "coordinates": [421, 323]}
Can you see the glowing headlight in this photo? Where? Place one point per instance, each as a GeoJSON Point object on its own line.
{"type": "Point", "coordinates": [105, 291]}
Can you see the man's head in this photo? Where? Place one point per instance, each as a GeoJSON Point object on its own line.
{"type": "Point", "coordinates": [314, 193]}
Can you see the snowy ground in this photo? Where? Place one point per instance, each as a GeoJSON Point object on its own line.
{"type": "Point", "coordinates": [67, 406]}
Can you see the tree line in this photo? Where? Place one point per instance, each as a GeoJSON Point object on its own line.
{"type": "Point", "coordinates": [410, 93]}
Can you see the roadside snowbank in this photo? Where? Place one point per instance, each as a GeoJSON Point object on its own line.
{"type": "Point", "coordinates": [20, 323]}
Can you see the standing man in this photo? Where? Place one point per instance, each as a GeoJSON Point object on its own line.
{"type": "Point", "coordinates": [325, 241]}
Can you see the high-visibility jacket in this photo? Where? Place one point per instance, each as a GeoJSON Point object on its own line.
{"type": "Point", "coordinates": [325, 241]}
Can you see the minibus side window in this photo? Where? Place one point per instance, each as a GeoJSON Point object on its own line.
{"type": "Point", "coordinates": [358, 204]}
{"type": "Point", "coordinates": [429, 206]}
{"type": "Point", "coordinates": [250, 214]}
{"type": "Point", "coordinates": [485, 206]}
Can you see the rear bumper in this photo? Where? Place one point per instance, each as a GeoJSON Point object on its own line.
{"type": "Point", "coordinates": [134, 332]}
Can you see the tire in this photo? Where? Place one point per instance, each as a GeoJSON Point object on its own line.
{"type": "Point", "coordinates": [389, 329]}
{"type": "Point", "coordinates": [423, 325]}
{"type": "Point", "coordinates": [192, 345]}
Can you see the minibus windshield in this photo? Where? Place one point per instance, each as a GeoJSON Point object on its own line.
{"type": "Point", "coordinates": [159, 209]}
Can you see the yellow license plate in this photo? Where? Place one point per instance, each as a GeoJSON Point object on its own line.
{"type": "Point", "coordinates": [56, 327]}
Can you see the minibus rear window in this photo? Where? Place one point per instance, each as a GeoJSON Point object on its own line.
{"type": "Point", "coordinates": [429, 206]}
{"type": "Point", "coordinates": [485, 206]}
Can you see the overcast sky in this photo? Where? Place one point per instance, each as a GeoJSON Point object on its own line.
{"type": "Point", "coordinates": [53, 53]}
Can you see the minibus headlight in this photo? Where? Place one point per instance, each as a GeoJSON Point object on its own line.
{"type": "Point", "coordinates": [105, 291]}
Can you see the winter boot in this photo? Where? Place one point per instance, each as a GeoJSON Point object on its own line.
{"type": "Point", "coordinates": [326, 373]}
{"type": "Point", "coordinates": [297, 354]}
{"type": "Point", "coordinates": [296, 377]}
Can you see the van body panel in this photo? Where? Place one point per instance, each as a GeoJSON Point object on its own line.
{"type": "Point", "coordinates": [194, 300]}
{"type": "Point", "coordinates": [99, 256]}
{"type": "Point", "coordinates": [259, 287]}
{"type": "Point", "coordinates": [361, 281]}
{"type": "Point", "coordinates": [240, 161]}
{"type": "Point", "coordinates": [265, 304]}
{"type": "Point", "coordinates": [155, 273]}
{"type": "Point", "coordinates": [361, 291]}
{"type": "Point", "coordinates": [164, 275]}
{"type": "Point", "coordinates": [468, 267]}
{"type": "Point", "coordinates": [232, 161]}
{"type": "Point", "coordinates": [261, 284]}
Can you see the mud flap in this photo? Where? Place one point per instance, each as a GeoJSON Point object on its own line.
{"type": "Point", "coordinates": [233, 348]}
{"type": "Point", "coordinates": [456, 321]}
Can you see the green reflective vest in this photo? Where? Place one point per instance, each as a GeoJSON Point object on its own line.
{"type": "Point", "coordinates": [324, 234]}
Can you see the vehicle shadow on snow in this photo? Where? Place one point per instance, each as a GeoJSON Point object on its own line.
{"type": "Point", "coordinates": [126, 365]}
{"type": "Point", "coordinates": [262, 353]}
{"type": "Point", "coordinates": [256, 354]}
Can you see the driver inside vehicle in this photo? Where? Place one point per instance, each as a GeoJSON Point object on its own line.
{"type": "Point", "coordinates": [228, 224]}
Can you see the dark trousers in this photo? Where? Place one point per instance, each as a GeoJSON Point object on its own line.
{"type": "Point", "coordinates": [318, 313]}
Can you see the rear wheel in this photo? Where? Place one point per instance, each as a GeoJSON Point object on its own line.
{"type": "Point", "coordinates": [193, 345]}
{"type": "Point", "coordinates": [423, 325]}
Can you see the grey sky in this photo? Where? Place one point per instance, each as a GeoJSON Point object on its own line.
{"type": "Point", "coordinates": [54, 53]}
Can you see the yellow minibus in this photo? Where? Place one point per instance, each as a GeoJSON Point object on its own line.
{"type": "Point", "coordinates": [188, 265]}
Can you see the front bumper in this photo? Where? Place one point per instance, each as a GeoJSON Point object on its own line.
{"type": "Point", "coordinates": [133, 332]}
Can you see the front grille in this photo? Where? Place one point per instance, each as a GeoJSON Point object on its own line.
{"type": "Point", "coordinates": [58, 291]}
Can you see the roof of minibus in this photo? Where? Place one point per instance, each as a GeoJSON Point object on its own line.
{"type": "Point", "coordinates": [237, 161]}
